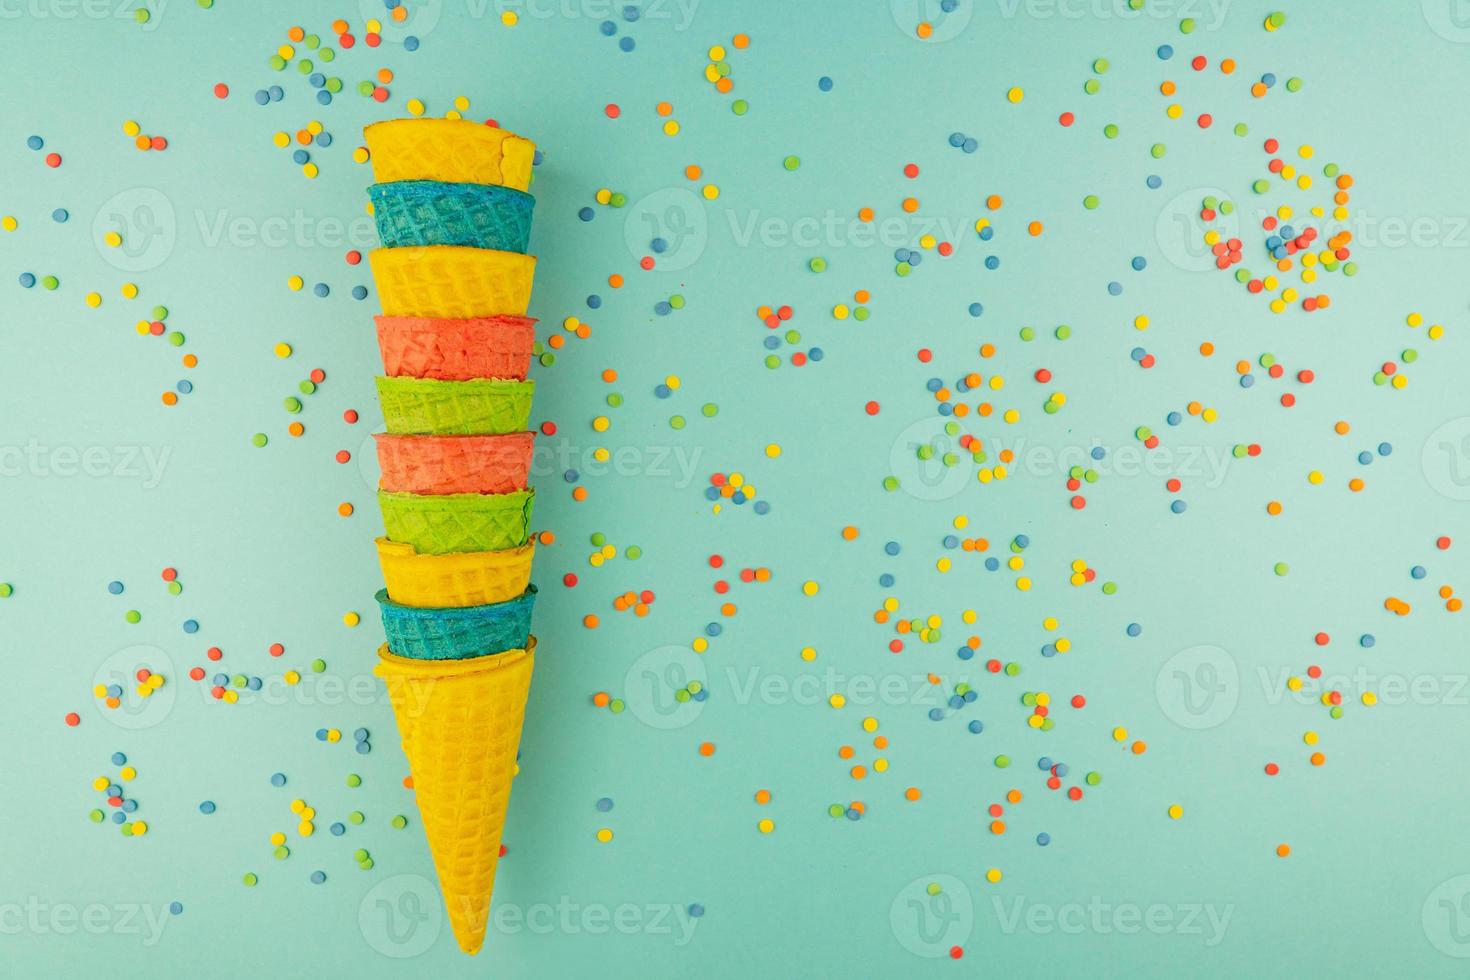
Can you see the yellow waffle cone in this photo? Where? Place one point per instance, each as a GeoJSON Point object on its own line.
{"type": "Point", "coordinates": [454, 150]}
{"type": "Point", "coordinates": [452, 281]}
{"type": "Point", "coordinates": [460, 723]}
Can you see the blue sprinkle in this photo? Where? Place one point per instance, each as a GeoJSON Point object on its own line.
{"type": "Point", "coordinates": [987, 233]}
{"type": "Point", "coordinates": [1364, 458]}
{"type": "Point", "coordinates": [1366, 640]}
{"type": "Point", "coordinates": [1134, 629]}
{"type": "Point", "coordinates": [185, 386]}
{"type": "Point", "coordinates": [626, 43]}
{"type": "Point", "coordinates": [762, 507]}
{"type": "Point", "coordinates": [279, 779]}
{"type": "Point", "coordinates": [1178, 506]}
{"type": "Point", "coordinates": [1173, 418]}
{"type": "Point", "coordinates": [1139, 263]}
{"type": "Point", "coordinates": [1268, 79]}
{"type": "Point", "coordinates": [35, 142]}
{"type": "Point", "coordinates": [594, 302]}
{"type": "Point", "coordinates": [608, 28]}
{"type": "Point", "coordinates": [359, 292]}
{"type": "Point", "coordinates": [714, 629]}
{"type": "Point", "coordinates": [604, 805]}
{"type": "Point", "coordinates": [824, 83]}
{"type": "Point", "coordinates": [936, 714]}
{"type": "Point", "coordinates": [696, 911]}
{"type": "Point", "coordinates": [1154, 182]}
{"type": "Point", "coordinates": [951, 541]}
{"type": "Point", "coordinates": [324, 97]}
{"type": "Point", "coordinates": [886, 580]}
{"type": "Point", "coordinates": [956, 140]}
{"type": "Point", "coordinates": [1166, 51]}
{"type": "Point", "coordinates": [1418, 571]}
{"type": "Point", "coordinates": [1137, 353]}
{"type": "Point", "coordinates": [1385, 448]}
{"type": "Point", "coordinates": [317, 877]}
{"type": "Point", "coordinates": [964, 653]}
{"type": "Point", "coordinates": [363, 748]}
{"type": "Point", "coordinates": [254, 683]}
{"type": "Point", "coordinates": [27, 280]}
{"type": "Point", "coordinates": [586, 214]}
{"type": "Point", "coordinates": [630, 13]}
{"type": "Point", "coordinates": [1043, 838]}
{"type": "Point", "coordinates": [992, 262]}
{"type": "Point", "coordinates": [316, 79]}
{"type": "Point", "coordinates": [115, 588]}
{"type": "Point", "coordinates": [1247, 380]}
{"type": "Point", "coordinates": [976, 727]}
{"type": "Point", "coordinates": [119, 818]}
{"type": "Point", "coordinates": [971, 144]}
{"type": "Point", "coordinates": [262, 97]}
{"type": "Point", "coordinates": [191, 626]}
{"type": "Point", "coordinates": [321, 289]}
{"type": "Point", "coordinates": [976, 309]}
{"type": "Point", "coordinates": [662, 308]}
{"type": "Point", "coordinates": [360, 735]}
{"type": "Point", "coordinates": [207, 807]}
{"type": "Point", "coordinates": [323, 139]}
{"type": "Point", "coordinates": [337, 829]}
{"type": "Point", "coordinates": [276, 93]}
{"type": "Point", "coordinates": [658, 245]}
{"type": "Point", "coordinates": [891, 548]}
{"type": "Point", "coordinates": [59, 216]}
{"type": "Point", "coordinates": [129, 806]}
{"type": "Point", "coordinates": [300, 157]}
{"type": "Point", "coordinates": [410, 43]}
{"type": "Point", "coordinates": [1060, 768]}
{"type": "Point", "coordinates": [571, 476]}
{"type": "Point", "coordinates": [118, 759]}
{"type": "Point", "coordinates": [1044, 763]}
{"type": "Point", "coordinates": [1023, 541]}
{"type": "Point", "coordinates": [992, 563]}
{"type": "Point", "coordinates": [177, 908]}
{"type": "Point", "coordinates": [1115, 289]}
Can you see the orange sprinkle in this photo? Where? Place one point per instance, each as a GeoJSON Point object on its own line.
{"type": "Point", "coordinates": [861, 296]}
{"type": "Point", "coordinates": [1206, 349]}
{"type": "Point", "coordinates": [664, 108]}
{"type": "Point", "coordinates": [601, 699]}
{"type": "Point", "coordinates": [615, 281]}
{"type": "Point", "coordinates": [859, 772]}
{"type": "Point", "coordinates": [997, 826]}
{"type": "Point", "coordinates": [1283, 850]}
{"type": "Point", "coordinates": [344, 509]}
{"type": "Point", "coordinates": [706, 749]}
{"type": "Point", "coordinates": [609, 375]}
{"type": "Point", "coordinates": [692, 171]}
{"type": "Point", "coordinates": [845, 752]}
{"type": "Point", "coordinates": [1034, 229]}
{"type": "Point", "coordinates": [1167, 88]}
{"type": "Point", "coordinates": [911, 204]}
{"type": "Point", "coordinates": [740, 41]}
{"type": "Point", "coordinates": [994, 202]}
{"type": "Point", "coordinates": [865, 214]}
{"type": "Point", "coordinates": [579, 494]}
{"type": "Point", "coordinates": [763, 796]}
{"type": "Point", "coordinates": [296, 428]}
{"type": "Point", "coordinates": [849, 533]}
{"type": "Point", "coordinates": [911, 794]}
{"type": "Point", "coordinates": [169, 398]}
{"type": "Point", "coordinates": [1139, 748]}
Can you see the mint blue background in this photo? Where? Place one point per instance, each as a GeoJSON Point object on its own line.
{"type": "Point", "coordinates": [1377, 832]}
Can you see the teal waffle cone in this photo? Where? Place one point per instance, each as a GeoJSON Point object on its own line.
{"type": "Point", "coordinates": [431, 212]}
{"type": "Point", "coordinates": [457, 634]}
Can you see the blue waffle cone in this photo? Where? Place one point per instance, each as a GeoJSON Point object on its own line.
{"type": "Point", "coordinates": [457, 633]}
{"type": "Point", "coordinates": [432, 212]}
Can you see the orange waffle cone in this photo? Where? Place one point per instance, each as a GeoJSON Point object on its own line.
{"type": "Point", "coordinates": [456, 350]}
{"type": "Point", "coordinates": [455, 464]}
{"type": "Point", "coordinates": [460, 723]}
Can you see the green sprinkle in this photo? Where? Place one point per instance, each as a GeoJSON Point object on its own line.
{"type": "Point", "coordinates": [399, 822]}
{"type": "Point", "coordinates": [791, 162]}
{"type": "Point", "coordinates": [1002, 761]}
{"type": "Point", "coordinates": [354, 780]}
{"type": "Point", "coordinates": [1281, 568]}
{"type": "Point", "coordinates": [355, 817]}
{"type": "Point", "coordinates": [1158, 150]}
{"type": "Point", "coordinates": [250, 880]}
{"type": "Point", "coordinates": [633, 552]}
{"type": "Point", "coordinates": [740, 107]}
{"type": "Point", "coordinates": [133, 616]}
{"type": "Point", "coordinates": [616, 706]}
{"type": "Point", "coordinates": [1090, 202]}
{"type": "Point", "coordinates": [259, 439]}
{"type": "Point", "coordinates": [817, 264]}
{"type": "Point", "coordinates": [676, 421]}
{"type": "Point", "coordinates": [1111, 131]}
{"type": "Point", "coordinates": [318, 665]}
{"type": "Point", "coordinates": [292, 404]}
{"type": "Point", "coordinates": [710, 410]}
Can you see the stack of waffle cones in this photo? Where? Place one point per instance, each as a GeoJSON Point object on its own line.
{"type": "Point", "coordinates": [454, 280]}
